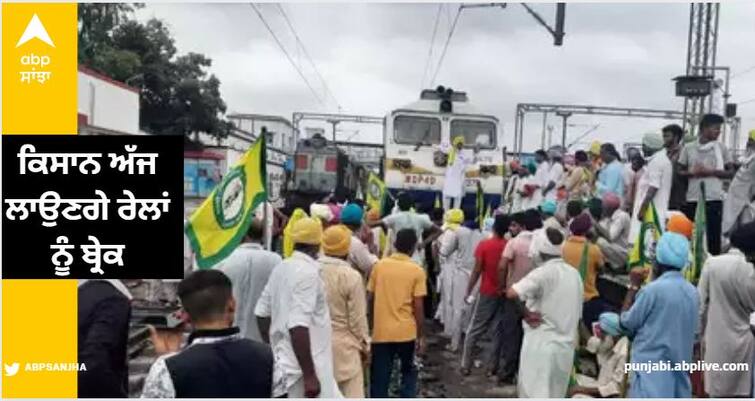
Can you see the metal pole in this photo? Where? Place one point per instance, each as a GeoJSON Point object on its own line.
{"type": "Point", "coordinates": [563, 132]}
{"type": "Point", "coordinates": [542, 136]}
{"type": "Point", "coordinates": [550, 135]}
{"type": "Point", "coordinates": [565, 116]}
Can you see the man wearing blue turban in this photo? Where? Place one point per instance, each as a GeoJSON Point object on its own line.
{"type": "Point", "coordinates": [662, 319]}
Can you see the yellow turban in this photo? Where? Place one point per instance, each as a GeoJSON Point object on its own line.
{"type": "Point", "coordinates": [307, 230]}
{"type": "Point", "coordinates": [454, 218]}
{"type": "Point", "coordinates": [452, 153]}
{"type": "Point", "coordinates": [595, 148]}
{"type": "Point", "coordinates": [336, 240]}
{"type": "Point", "coordinates": [288, 242]}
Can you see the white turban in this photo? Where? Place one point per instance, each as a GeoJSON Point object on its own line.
{"type": "Point", "coordinates": [321, 211]}
{"type": "Point", "coordinates": [541, 244]}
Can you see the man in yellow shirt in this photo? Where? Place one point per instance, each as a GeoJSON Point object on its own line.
{"type": "Point", "coordinates": [397, 288]}
{"type": "Point", "coordinates": [587, 258]}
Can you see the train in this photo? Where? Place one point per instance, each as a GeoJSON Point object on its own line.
{"type": "Point", "coordinates": [413, 138]}
{"type": "Point", "coordinates": [321, 169]}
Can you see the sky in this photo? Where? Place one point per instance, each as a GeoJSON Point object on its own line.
{"type": "Point", "coordinates": [373, 57]}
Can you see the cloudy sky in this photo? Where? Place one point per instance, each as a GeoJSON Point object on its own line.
{"type": "Point", "coordinates": [373, 59]}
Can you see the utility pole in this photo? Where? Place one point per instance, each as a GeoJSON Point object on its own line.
{"type": "Point", "coordinates": [565, 115]}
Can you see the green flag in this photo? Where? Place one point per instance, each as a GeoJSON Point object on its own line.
{"type": "Point", "coordinates": [223, 219]}
{"type": "Point", "coordinates": [650, 226]}
{"type": "Point", "coordinates": [699, 240]}
{"type": "Point", "coordinates": [375, 192]}
{"type": "Point", "coordinates": [480, 205]}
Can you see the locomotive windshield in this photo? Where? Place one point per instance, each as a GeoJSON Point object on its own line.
{"type": "Point", "coordinates": [482, 133]}
{"type": "Point", "coordinates": [410, 130]}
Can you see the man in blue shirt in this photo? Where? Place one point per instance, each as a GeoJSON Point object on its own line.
{"type": "Point", "coordinates": [611, 176]}
{"type": "Point", "coordinates": [662, 323]}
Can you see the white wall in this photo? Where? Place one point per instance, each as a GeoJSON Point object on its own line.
{"type": "Point", "coordinates": [283, 134]}
{"type": "Point", "coordinates": [107, 105]}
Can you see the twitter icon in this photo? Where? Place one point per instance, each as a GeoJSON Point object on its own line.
{"type": "Point", "coordinates": [12, 369]}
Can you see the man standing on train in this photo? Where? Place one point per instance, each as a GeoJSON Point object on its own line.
{"type": "Point", "coordinates": [453, 183]}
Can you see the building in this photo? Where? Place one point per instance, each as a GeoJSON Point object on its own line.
{"type": "Point", "coordinates": [106, 106]}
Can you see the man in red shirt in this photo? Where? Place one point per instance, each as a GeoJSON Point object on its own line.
{"type": "Point", "coordinates": [488, 309]}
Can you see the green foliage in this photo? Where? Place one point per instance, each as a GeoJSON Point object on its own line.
{"type": "Point", "coordinates": [178, 96]}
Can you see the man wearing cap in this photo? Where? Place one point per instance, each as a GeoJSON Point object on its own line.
{"type": "Point", "coordinates": [359, 255]}
{"type": "Point", "coordinates": [727, 298]}
{"type": "Point", "coordinates": [587, 259]}
{"type": "Point", "coordinates": [550, 297]}
{"type": "Point", "coordinates": [738, 206]}
{"type": "Point", "coordinates": [611, 176]}
{"type": "Point", "coordinates": [654, 186]}
{"type": "Point", "coordinates": [347, 303]}
{"type": "Point", "coordinates": [294, 318]}
{"type": "Point", "coordinates": [613, 232]}
{"type": "Point", "coordinates": [662, 321]}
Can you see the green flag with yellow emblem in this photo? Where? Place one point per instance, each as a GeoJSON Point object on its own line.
{"type": "Point", "coordinates": [375, 192]}
{"type": "Point", "coordinates": [222, 220]}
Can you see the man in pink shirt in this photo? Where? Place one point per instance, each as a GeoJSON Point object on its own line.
{"type": "Point", "coordinates": [514, 265]}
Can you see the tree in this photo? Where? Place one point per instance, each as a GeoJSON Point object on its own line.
{"type": "Point", "coordinates": [177, 95]}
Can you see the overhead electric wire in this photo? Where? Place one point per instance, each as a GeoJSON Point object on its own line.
{"type": "Point", "coordinates": [306, 54]}
{"type": "Point", "coordinates": [288, 56]}
{"type": "Point", "coordinates": [745, 71]}
{"type": "Point", "coordinates": [445, 47]}
{"type": "Point", "coordinates": [432, 44]}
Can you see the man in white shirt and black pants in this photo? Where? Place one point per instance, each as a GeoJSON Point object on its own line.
{"type": "Point", "coordinates": [707, 161]}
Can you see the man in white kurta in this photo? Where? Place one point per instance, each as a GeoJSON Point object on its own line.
{"type": "Point", "coordinates": [295, 297]}
{"type": "Point", "coordinates": [461, 245]}
{"type": "Point", "coordinates": [654, 185]}
{"type": "Point", "coordinates": [727, 298]}
{"type": "Point", "coordinates": [453, 182]}
{"type": "Point", "coordinates": [552, 294]}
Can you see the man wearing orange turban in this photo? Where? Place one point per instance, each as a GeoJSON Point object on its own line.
{"type": "Point", "coordinates": [680, 224]}
{"type": "Point", "coordinates": [347, 303]}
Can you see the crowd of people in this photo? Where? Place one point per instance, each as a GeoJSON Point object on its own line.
{"type": "Point", "coordinates": [353, 290]}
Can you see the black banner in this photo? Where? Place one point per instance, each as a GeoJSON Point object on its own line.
{"type": "Point", "coordinates": [117, 213]}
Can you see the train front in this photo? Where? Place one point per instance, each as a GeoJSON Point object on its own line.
{"type": "Point", "coordinates": [417, 138]}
